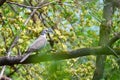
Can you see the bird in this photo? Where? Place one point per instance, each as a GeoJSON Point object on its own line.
{"type": "Point", "coordinates": [38, 44]}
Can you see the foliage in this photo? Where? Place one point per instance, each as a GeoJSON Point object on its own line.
{"type": "Point", "coordinates": [76, 25]}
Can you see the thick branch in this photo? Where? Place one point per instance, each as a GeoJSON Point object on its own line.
{"type": "Point", "coordinates": [58, 56]}
{"type": "Point", "coordinates": [2, 2]}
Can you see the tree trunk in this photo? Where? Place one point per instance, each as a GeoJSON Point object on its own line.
{"type": "Point", "coordinates": [105, 30]}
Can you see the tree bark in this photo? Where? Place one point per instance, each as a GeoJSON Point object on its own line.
{"type": "Point", "coordinates": [57, 56]}
{"type": "Point", "coordinates": [2, 2]}
{"type": "Point", "coordinates": [105, 30]}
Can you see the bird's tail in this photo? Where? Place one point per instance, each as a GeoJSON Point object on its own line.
{"type": "Point", "coordinates": [24, 58]}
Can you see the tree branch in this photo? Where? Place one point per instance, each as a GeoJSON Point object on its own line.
{"type": "Point", "coordinates": [114, 39]}
{"type": "Point", "coordinates": [31, 7]}
{"type": "Point", "coordinates": [57, 56]}
{"type": "Point", "coordinates": [2, 2]}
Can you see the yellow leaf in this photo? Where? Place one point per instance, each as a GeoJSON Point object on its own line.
{"type": "Point", "coordinates": [58, 32]}
{"type": "Point", "coordinates": [64, 46]}
{"type": "Point", "coordinates": [63, 37]}
{"type": "Point", "coordinates": [21, 40]}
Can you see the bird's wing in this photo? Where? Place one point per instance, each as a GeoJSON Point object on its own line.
{"type": "Point", "coordinates": [38, 43]}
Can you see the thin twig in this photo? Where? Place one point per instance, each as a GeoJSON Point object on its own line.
{"type": "Point", "coordinates": [4, 40]}
{"type": "Point", "coordinates": [12, 45]}
{"type": "Point", "coordinates": [8, 54]}
{"type": "Point", "coordinates": [35, 11]}
{"type": "Point", "coordinates": [15, 70]}
{"type": "Point", "coordinates": [13, 9]}
{"type": "Point", "coordinates": [31, 7]}
{"type": "Point", "coordinates": [113, 52]}
{"type": "Point", "coordinates": [114, 39]}
{"type": "Point", "coordinates": [17, 37]}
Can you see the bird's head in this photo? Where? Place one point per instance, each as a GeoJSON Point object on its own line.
{"type": "Point", "coordinates": [45, 31]}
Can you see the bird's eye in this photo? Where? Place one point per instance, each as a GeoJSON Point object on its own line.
{"type": "Point", "coordinates": [44, 31]}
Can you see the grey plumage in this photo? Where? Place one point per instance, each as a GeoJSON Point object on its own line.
{"type": "Point", "coordinates": [39, 43]}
